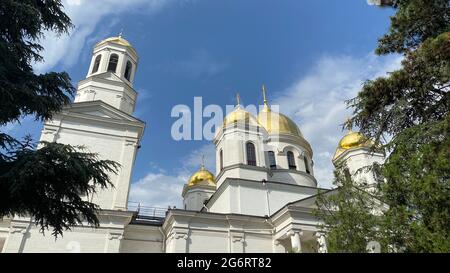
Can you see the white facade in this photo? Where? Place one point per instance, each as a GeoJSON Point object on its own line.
{"type": "Point", "coordinates": [261, 199]}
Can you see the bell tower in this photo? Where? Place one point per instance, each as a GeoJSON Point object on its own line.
{"type": "Point", "coordinates": [101, 117]}
{"type": "Point", "coordinates": [356, 154]}
{"type": "Point", "coordinates": [111, 75]}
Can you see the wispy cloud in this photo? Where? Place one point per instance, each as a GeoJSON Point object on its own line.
{"type": "Point", "coordinates": [194, 159]}
{"type": "Point", "coordinates": [86, 15]}
{"type": "Point", "coordinates": [316, 101]}
{"type": "Point", "coordinates": [161, 188]}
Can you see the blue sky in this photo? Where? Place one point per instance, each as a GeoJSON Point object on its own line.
{"type": "Point", "coordinates": [312, 55]}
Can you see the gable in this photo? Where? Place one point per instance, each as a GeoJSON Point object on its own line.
{"type": "Point", "coordinates": [99, 109]}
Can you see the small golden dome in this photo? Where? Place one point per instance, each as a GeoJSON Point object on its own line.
{"type": "Point", "coordinates": [117, 40]}
{"type": "Point", "coordinates": [202, 176]}
{"type": "Point", "coordinates": [239, 116]}
{"type": "Point", "coordinates": [352, 140]}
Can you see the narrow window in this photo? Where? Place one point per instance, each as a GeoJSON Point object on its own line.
{"type": "Point", "coordinates": [306, 165]}
{"type": "Point", "coordinates": [251, 154]}
{"type": "Point", "coordinates": [96, 63]}
{"type": "Point", "coordinates": [112, 65]}
{"type": "Point", "coordinates": [291, 160]}
{"type": "Point", "coordinates": [221, 159]}
{"type": "Point", "coordinates": [272, 162]}
{"type": "Point", "coordinates": [128, 69]}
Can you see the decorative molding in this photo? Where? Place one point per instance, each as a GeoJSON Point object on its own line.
{"type": "Point", "coordinates": [131, 143]}
{"type": "Point", "coordinates": [115, 236]}
{"type": "Point", "coordinates": [237, 238]}
{"type": "Point", "coordinates": [18, 229]}
{"type": "Point", "coordinates": [293, 232]}
{"type": "Point", "coordinates": [179, 235]}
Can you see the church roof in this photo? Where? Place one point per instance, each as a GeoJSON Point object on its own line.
{"type": "Point", "coordinates": [202, 176]}
{"type": "Point", "coordinates": [119, 40]}
{"type": "Point", "coordinates": [350, 141]}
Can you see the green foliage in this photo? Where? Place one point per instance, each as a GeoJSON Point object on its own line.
{"type": "Point", "coordinates": [414, 22]}
{"type": "Point", "coordinates": [415, 94]}
{"type": "Point", "coordinates": [22, 92]}
{"type": "Point", "coordinates": [51, 184]}
{"type": "Point", "coordinates": [418, 189]}
{"type": "Point", "coordinates": [411, 109]}
{"type": "Point", "coordinates": [347, 213]}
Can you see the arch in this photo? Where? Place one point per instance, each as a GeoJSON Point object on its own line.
{"type": "Point", "coordinates": [96, 63]}
{"type": "Point", "coordinates": [112, 65]}
{"type": "Point", "coordinates": [128, 70]}
{"type": "Point", "coordinates": [251, 154]}
{"type": "Point", "coordinates": [272, 160]}
{"type": "Point", "coordinates": [291, 160]}
{"type": "Point", "coordinates": [221, 159]}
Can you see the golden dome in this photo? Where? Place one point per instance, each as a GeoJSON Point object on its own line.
{"type": "Point", "coordinates": [117, 40]}
{"type": "Point", "coordinates": [202, 176]}
{"type": "Point", "coordinates": [352, 140]}
{"type": "Point", "coordinates": [277, 123]}
{"type": "Point", "coordinates": [239, 116]}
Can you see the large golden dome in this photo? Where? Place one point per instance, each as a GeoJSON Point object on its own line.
{"type": "Point", "coordinates": [202, 176]}
{"type": "Point", "coordinates": [352, 140]}
{"type": "Point", "coordinates": [277, 123]}
{"type": "Point", "coordinates": [117, 40]}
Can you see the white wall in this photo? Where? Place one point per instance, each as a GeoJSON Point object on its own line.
{"type": "Point", "coordinates": [142, 239]}
{"type": "Point", "coordinates": [255, 198]}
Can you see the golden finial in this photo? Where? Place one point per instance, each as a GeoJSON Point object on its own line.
{"type": "Point", "coordinates": [203, 162]}
{"type": "Point", "coordinates": [121, 33]}
{"type": "Point", "coordinates": [264, 93]}
{"type": "Point", "coordinates": [266, 106]}
{"type": "Point", "coordinates": [238, 99]}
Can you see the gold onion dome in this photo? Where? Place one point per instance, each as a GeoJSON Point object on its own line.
{"type": "Point", "coordinates": [352, 140]}
{"type": "Point", "coordinates": [276, 123]}
{"type": "Point", "coordinates": [202, 177]}
{"type": "Point", "coordinates": [239, 115]}
{"type": "Point", "coordinates": [117, 40]}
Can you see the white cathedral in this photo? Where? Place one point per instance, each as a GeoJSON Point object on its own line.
{"type": "Point", "coordinates": [261, 198]}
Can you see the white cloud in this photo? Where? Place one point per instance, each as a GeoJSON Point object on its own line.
{"type": "Point", "coordinates": [194, 159]}
{"type": "Point", "coordinates": [85, 15]}
{"type": "Point", "coordinates": [316, 102]}
{"type": "Point", "coordinates": [160, 188]}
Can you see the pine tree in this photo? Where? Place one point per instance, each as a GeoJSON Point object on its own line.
{"type": "Point", "coordinates": [44, 183]}
{"type": "Point", "coordinates": [407, 114]}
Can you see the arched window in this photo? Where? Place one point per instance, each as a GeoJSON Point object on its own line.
{"type": "Point", "coordinates": [272, 161]}
{"type": "Point", "coordinates": [251, 154]}
{"type": "Point", "coordinates": [96, 63]}
{"type": "Point", "coordinates": [306, 165]}
{"type": "Point", "coordinates": [221, 159]}
{"type": "Point", "coordinates": [112, 65]}
{"type": "Point", "coordinates": [291, 160]}
{"type": "Point", "coordinates": [128, 70]}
